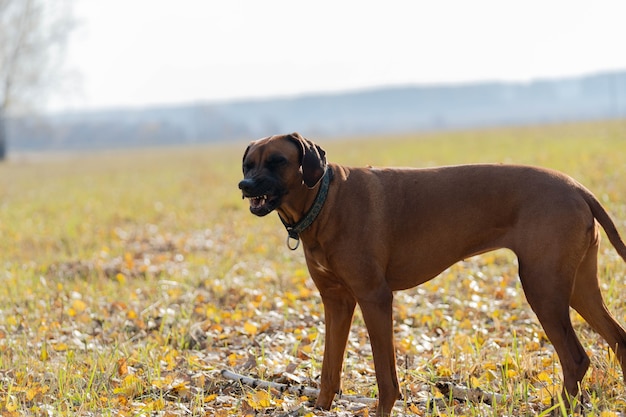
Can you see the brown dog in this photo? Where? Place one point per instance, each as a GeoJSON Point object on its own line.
{"type": "Point", "coordinates": [368, 232]}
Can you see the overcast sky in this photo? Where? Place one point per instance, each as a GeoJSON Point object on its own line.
{"type": "Point", "coordinates": [145, 52]}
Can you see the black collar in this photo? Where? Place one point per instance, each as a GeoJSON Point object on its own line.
{"type": "Point", "coordinates": [294, 230]}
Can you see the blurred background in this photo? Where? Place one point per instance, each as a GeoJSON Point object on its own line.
{"type": "Point", "coordinates": [90, 75]}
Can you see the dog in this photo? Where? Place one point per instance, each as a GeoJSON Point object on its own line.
{"type": "Point", "coordinates": [367, 232]}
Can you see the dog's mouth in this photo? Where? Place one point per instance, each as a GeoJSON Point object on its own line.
{"type": "Point", "coordinates": [263, 204]}
{"type": "Point", "coordinates": [258, 202]}
{"type": "Point", "coordinates": [263, 194]}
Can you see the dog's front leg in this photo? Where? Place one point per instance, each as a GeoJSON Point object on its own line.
{"type": "Point", "coordinates": [377, 313]}
{"type": "Point", "coordinates": [339, 307]}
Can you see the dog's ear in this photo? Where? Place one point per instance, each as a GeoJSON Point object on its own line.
{"type": "Point", "coordinates": [313, 160]}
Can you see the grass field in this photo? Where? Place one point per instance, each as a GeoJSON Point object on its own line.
{"type": "Point", "coordinates": [130, 279]}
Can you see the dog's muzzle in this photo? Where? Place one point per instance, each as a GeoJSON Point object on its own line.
{"type": "Point", "coordinates": [263, 200]}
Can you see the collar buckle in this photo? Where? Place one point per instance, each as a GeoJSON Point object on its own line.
{"type": "Point", "coordinates": [291, 239]}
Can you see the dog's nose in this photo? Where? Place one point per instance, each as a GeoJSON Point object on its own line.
{"type": "Point", "coordinates": [246, 184]}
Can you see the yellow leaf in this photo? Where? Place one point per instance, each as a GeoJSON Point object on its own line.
{"type": "Point", "coordinates": [445, 349]}
{"type": "Point", "coordinates": [122, 367]}
{"type": "Point", "coordinates": [130, 386]}
{"type": "Point", "coordinates": [60, 347]}
{"type": "Point", "coordinates": [444, 371]}
{"type": "Point", "coordinates": [43, 355]}
{"type": "Point", "coordinates": [511, 373]}
{"type": "Point", "coordinates": [232, 359]}
{"type": "Point", "coordinates": [11, 403]}
{"type": "Point", "coordinates": [32, 393]}
{"type": "Point", "coordinates": [260, 399]}
{"type": "Point", "coordinates": [79, 305]}
{"type": "Point", "coordinates": [509, 363]}
{"type": "Point", "coordinates": [532, 346]}
{"type": "Point", "coordinates": [250, 328]}
{"type": "Point", "coordinates": [121, 278]}
{"type": "Point", "coordinates": [128, 259]}
{"type": "Point", "coordinates": [171, 359]}
{"type": "Point", "coordinates": [544, 377]}
{"type": "Point", "coordinates": [467, 324]}
{"type": "Point", "coordinates": [180, 385]}
{"type": "Point", "coordinates": [490, 375]}
{"type": "Point", "coordinates": [547, 394]}
{"type": "Point", "coordinates": [156, 405]}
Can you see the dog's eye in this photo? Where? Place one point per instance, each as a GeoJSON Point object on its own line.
{"type": "Point", "coordinates": [276, 161]}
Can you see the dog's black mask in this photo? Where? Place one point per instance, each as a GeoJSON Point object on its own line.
{"type": "Point", "coordinates": [265, 193]}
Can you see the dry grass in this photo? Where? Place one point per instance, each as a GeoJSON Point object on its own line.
{"type": "Point", "coordinates": [130, 279]}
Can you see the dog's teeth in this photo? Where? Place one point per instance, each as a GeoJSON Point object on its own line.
{"type": "Point", "coordinates": [258, 201]}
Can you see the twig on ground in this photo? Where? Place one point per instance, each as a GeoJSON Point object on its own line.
{"type": "Point", "coordinates": [294, 389]}
{"type": "Point", "coordinates": [449, 389]}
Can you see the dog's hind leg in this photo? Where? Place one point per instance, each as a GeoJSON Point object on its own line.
{"type": "Point", "coordinates": [548, 285]}
{"type": "Point", "coordinates": [587, 300]}
{"type": "Point", "coordinates": [376, 308]}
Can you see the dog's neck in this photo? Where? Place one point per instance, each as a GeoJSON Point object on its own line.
{"type": "Point", "coordinates": [305, 216]}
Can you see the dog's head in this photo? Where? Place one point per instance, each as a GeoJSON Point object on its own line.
{"type": "Point", "coordinates": [275, 165]}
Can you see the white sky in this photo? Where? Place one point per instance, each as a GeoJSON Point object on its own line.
{"type": "Point", "coordinates": [143, 52]}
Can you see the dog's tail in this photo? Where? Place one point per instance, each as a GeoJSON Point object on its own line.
{"type": "Point", "coordinates": [606, 222]}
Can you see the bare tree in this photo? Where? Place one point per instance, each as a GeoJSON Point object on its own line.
{"type": "Point", "coordinates": [33, 35]}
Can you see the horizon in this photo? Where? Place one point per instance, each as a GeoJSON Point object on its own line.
{"type": "Point", "coordinates": [329, 93]}
{"type": "Point", "coordinates": [374, 111]}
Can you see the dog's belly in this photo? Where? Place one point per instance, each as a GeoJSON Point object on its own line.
{"type": "Point", "coordinates": [408, 268]}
